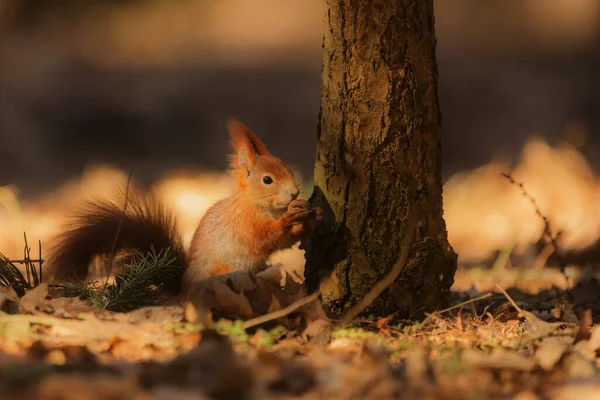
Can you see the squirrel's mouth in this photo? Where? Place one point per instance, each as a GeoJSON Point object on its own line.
{"type": "Point", "coordinates": [281, 206]}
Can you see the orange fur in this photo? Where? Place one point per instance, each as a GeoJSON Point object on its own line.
{"type": "Point", "coordinates": [220, 269]}
{"type": "Point", "coordinates": [237, 233]}
{"type": "Point", "coordinates": [245, 229]}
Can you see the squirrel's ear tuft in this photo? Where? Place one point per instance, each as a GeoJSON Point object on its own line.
{"type": "Point", "coordinates": [245, 143]}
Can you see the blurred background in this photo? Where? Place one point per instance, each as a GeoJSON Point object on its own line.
{"type": "Point", "coordinates": [89, 90]}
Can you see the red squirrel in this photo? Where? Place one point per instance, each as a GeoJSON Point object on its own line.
{"type": "Point", "coordinates": [240, 232]}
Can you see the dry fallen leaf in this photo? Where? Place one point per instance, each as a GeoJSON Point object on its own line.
{"type": "Point", "coordinates": [132, 351]}
{"type": "Point", "coordinates": [497, 359]}
{"type": "Point", "coordinates": [244, 296]}
{"type": "Point", "coordinates": [70, 307]}
{"type": "Point", "coordinates": [282, 274]}
{"type": "Point", "coordinates": [231, 302]}
{"type": "Point", "coordinates": [550, 352]}
{"type": "Point", "coordinates": [587, 389]}
{"type": "Point", "coordinates": [190, 313]}
{"type": "Point", "coordinates": [15, 331]}
{"type": "Point", "coordinates": [34, 299]}
{"type": "Point", "coordinates": [345, 345]}
{"type": "Point", "coordinates": [153, 314]}
{"type": "Point", "coordinates": [534, 326]}
{"type": "Point", "coordinates": [274, 306]}
{"type": "Point", "coordinates": [578, 365]}
{"type": "Point", "coordinates": [318, 332]}
{"type": "Point", "coordinates": [382, 325]}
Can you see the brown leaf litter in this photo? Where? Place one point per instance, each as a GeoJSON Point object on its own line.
{"type": "Point", "coordinates": [492, 346]}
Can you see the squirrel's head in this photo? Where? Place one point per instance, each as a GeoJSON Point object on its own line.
{"type": "Point", "coordinates": [263, 178]}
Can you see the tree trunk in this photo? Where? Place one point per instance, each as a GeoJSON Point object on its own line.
{"type": "Point", "coordinates": [379, 158]}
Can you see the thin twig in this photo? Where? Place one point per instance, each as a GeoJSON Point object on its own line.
{"type": "Point", "coordinates": [392, 275]}
{"type": "Point", "coordinates": [281, 313]}
{"type": "Point", "coordinates": [29, 262]}
{"type": "Point", "coordinates": [12, 276]}
{"type": "Point", "coordinates": [485, 296]}
{"type": "Point", "coordinates": [547, 230]}
{"type": "Point", "coordinates": [26, 259]}
{"type": "Point", "coordinates": [111, 256]}
{"type": "Point", "coordinates": [510, 299]}
{"type": "Point", "coordinates": [40, 260]}
{"type": "Point", "coordinates": [470, 301]}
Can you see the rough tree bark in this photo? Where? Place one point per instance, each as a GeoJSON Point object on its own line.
{"type": "Point", "coordinates": [378, 157]}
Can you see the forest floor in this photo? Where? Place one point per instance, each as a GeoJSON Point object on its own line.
{"type": "Point", "coordinates": [537, 340]}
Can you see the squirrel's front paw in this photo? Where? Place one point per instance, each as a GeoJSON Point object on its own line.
{"type": "Point", "coordinates": [299, 204]}
{"type": "Point", "coordinates": [303, 205]}
{"type": "Point", "coordinates": [295, 215]}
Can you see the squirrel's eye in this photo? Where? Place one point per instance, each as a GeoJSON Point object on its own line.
{"type": "Point", "coordinates": [267, 180]}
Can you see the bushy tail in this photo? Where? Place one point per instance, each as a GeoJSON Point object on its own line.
{"type": "Point", "coordinates": [106, 229]}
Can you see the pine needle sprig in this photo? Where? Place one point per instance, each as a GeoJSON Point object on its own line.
{"type": "Point", "coordinates": [11, 276]}
{"type": "Point", "coordinates": [90, 292]}
{"type": "Point", "coordinates": [139, 285]}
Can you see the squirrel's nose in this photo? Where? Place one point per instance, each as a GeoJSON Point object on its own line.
{"type": "Point", "coordinates": [294, 194]}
